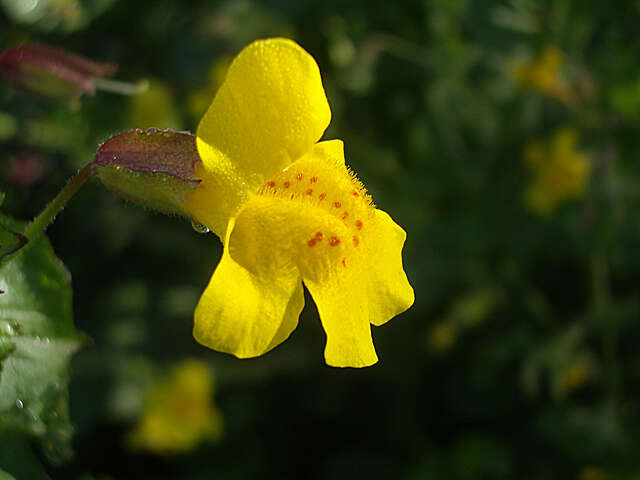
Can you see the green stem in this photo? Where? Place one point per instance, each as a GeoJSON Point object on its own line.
{"type": "Point", "coordinates": [42, 221]}
{"type": "Point", "coordinates": [123, 88]}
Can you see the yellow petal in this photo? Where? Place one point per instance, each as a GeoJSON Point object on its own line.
{"type": "Point", "coordinates": [315, 218]}
{"type": "Point", "coordinates": [269, 111]}
{"type": "Point", "coordinates": [213, 201]}
{"type": "Point", "coordinates": [247, 314]}
{"type": "Point", "coordinates": [310, 217]}
{"type": "Point", "coordinates": [278, 234]}
{"type": "Point", "coordinates": [343, 308]}
{"type": "Point", "coordinates": [389, 291]}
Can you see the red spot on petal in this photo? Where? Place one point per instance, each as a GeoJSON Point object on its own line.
{"type": "Point", "coordinates": [345, 215]}
{"type": "Point", "coordinates": [358, 224]}
{"type": "Point", "coordinates": [333, 241]}
{"type": "Point", "coordinates": [356, 241]}
{"type": "Point", "coordinates": [312, 242]}
{"type": "Point", "coordinates": [313, 179]}
{"type": "Point", "coordinates": [309, 192]}
{"type": "Point", "coordinates": [299, 176]}
{"type": "Point", "coordinates": [286, 184]}
{"type": "Point", "coordinates": [322, 196]}
{"type": "Point", "coordinates": [344, 262]}
{"type": "Point", "coordinates": [271, 184]}
{"type": "Point", "coordinates": [355, 194]}
{"type": "Point", "coordinates": [319, 236]}
{"type": "Point", "coordinates": [337, 204]}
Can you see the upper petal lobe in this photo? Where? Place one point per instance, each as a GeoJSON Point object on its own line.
{"type": "Point", "coordinates": [270, 110]}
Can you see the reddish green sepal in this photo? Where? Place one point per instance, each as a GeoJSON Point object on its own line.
{"type": "Point", "coordinates": [155, 168]}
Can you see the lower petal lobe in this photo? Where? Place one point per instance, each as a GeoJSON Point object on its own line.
{"type": "Point", "coordinates": [269, 111]}
{"type": "Point", "coordinates": [389, 292]}
{"type": "Point", "coordinates": [343, 308]}
{"type": "Point", "coordinates": [246, 314]}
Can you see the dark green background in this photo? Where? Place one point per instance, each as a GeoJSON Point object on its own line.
{"type": "Point", "coordinates": [434, 125]}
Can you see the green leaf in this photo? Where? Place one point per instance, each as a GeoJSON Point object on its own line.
{"type": "Point", "coordinates": [17, 461]}
{"type": "Point", "coordinates": [10, 241]}
{"type": "Point", "coordinates": [37, 337]}
{"type": "Point", "coordinates": [5, 476]}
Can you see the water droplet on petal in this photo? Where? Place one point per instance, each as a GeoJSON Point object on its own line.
{"type": "Point", "coordinates": [198, 227]}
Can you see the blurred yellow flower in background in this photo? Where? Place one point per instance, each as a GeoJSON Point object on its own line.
{"type": "Point", "coordinates": [544, 73]}
{"type": "Point", "coordinates": [178, 412]}
{"type": "Point", "coordinates": [560, 172]}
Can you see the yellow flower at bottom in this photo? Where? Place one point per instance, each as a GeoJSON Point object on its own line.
{"type": "Point", "coordinates": [288, 210]}
{"type": "Point", "coordinates": [178, 413]}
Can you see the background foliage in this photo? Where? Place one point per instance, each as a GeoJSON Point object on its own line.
{"type": "Point", "coordinates": [519, 358]}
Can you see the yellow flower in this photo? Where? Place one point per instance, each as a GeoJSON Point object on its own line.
{"type": "Point", "coordinates": [544, 73]}
{"type": "Point", "coordinates": [178, 413]}
{"type": "Point", "coordinates": [561, 172]}
{"type": "Point", "coordinates": [288, 210]}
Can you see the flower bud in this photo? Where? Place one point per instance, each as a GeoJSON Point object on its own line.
{"type": "Point", "coordinates": [52, 72]}
{"type": "Point", "coordinates": [154, 167]}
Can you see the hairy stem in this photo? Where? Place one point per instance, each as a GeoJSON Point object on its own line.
{"type": "Point", "coordinates": [42, 221]}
